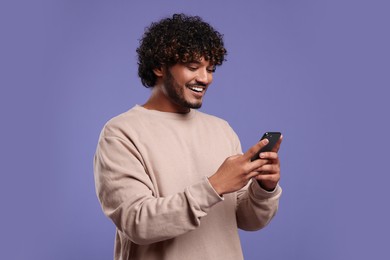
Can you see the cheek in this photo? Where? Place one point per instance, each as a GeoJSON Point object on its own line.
{"type": "Point", "coordinates": [211, 78]}
{"type": "Point", "coordinates": [187, 77]}
{"type": "Point", "coordinates": [182, 80]}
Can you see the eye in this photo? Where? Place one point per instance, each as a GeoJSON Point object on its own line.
{"type": "Point", "coordinates": [211, 70]}
{"type": "Point", "coordinates": [192, 66]}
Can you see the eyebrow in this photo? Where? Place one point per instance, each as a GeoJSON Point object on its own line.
{"type": "Point", "coordinates": [199, 62]}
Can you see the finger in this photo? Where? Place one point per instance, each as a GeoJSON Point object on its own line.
{"type": "Point", "coordinates": [277, 145]}
{"type": "Point", "coordinates": [255, 149]}
{"type": "Point", "coordinates": [269, 155]}
{"type": "Point", "coordinates": [257, 164]}
{"type": "Point", "coordinates": [269, 169]}
{"type": "Point", "coordinates": [253, 174]}
{"type": "Point", "coordinates": [266, 175]}
{"type": "Point", "coordinates": [270, 179]}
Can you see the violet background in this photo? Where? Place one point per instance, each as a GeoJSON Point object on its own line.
{"type": "Point", "coordinates": [316, 70]}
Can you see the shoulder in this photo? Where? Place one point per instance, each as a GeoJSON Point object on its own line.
{"type": "Point", "coordinates": [122, 123]}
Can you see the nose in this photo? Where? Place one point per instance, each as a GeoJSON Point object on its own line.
{"type": "Point", "coordinates": [204, 76]}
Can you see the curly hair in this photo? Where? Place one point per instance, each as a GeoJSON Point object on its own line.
{"type": "Point", "coordinates": [179, 39]}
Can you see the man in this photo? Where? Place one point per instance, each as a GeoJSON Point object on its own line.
{"type": "Point", "coordinates": [173, 179]}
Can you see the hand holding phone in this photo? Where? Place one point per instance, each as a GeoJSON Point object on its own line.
{"type": "Point", "coordinates": [229, 176]}
{"type": "Point", "coordinates": [268, 181]}
{"type": "Point", "coordinates": [273, 138]}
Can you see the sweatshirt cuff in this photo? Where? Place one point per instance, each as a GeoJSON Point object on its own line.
{"type": "Point", "coordinates": [260, 193]}
{"type": "Point", "coordinates": [204, 195]}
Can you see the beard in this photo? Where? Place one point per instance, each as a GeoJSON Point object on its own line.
{"type": "Point", "coordinates": [176, 93]}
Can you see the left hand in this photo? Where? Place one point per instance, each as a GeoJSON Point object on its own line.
{"type": "Point", "coordinates": [269, 173]}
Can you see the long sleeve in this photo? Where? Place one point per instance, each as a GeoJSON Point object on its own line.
{"type": "Point", "coordinates": [151, 175]}
{"type": "Point", "coordinates": [128, 197]}
{"type": "Point", "coordinates": [256, 207]}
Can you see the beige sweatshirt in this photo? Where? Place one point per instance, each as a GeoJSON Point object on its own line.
{"type": "Point", "coordinates": [151, 172]}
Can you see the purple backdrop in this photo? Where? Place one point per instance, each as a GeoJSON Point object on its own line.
{"type": "Point", "coordinates": [316, 70]}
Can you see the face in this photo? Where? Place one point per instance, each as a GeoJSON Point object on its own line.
{"type": "Point", "coordinates": [184, 85]}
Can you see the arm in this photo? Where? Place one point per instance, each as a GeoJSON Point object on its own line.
{"type": "Point", "coordinates": [257, 205]}
{"type": "Point", "coordinates": [128, 198]}
{"type": "Point", "coordinates": [258, 202]}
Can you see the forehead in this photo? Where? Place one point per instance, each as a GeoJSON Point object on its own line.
{"type": "Point", "coordinates": [201, 61]}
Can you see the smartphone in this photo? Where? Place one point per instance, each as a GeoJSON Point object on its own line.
{"type": "Point", "coordinates": [273, 138]}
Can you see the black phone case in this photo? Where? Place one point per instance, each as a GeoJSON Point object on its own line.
{"type": "Point", "coordinates": [273, 138]}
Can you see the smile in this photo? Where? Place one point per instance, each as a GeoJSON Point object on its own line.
{"type": "Point", "coordinates": [196, 89]}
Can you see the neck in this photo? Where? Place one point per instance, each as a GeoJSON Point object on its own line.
{"type": "Point", "coordinates": [160, 102]}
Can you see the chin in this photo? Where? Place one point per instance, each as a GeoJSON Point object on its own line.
{"type": "Point", "coordinates": [195, 106]}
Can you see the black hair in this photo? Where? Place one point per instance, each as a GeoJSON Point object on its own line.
{"type": "Point", "coordinates": [179, 39]}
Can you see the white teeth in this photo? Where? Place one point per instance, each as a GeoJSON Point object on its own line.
{"type": "Point", "coordinates": [197, 89]}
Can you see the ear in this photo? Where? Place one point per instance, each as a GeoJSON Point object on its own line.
{"type": "Point", "coordinates": [159, 72]}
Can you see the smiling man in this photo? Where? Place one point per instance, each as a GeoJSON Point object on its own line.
{"type": "Point", "coordinates": [181, 87]}
{"type": "Point", "coordinates": [172, 179]}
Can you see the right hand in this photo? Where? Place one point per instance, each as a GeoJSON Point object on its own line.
{"type": "Point", "coordinates": [237, 170]}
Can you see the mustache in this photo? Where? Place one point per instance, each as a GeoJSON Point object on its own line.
{"type": "Point", "coordinates": [197, 84]}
